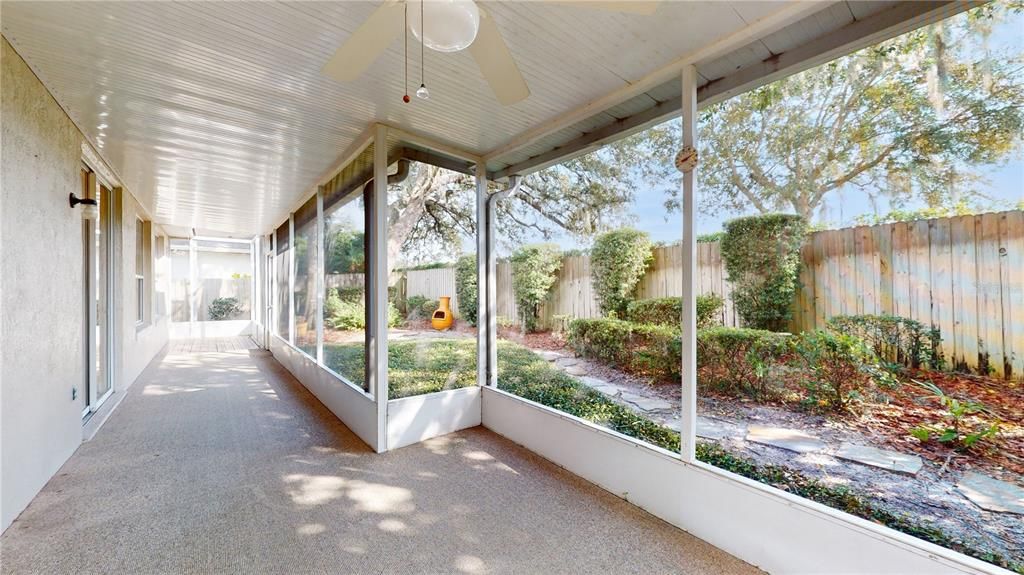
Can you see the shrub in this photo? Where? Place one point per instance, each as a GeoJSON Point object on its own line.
{"type": "Point", "coordinates": [710, 238]}
{"type": "Point", "coordinates": [669, 310]}
{"type": "Point", "coordinates": [838, 369]}
{"type": "Point", "coordinates": [897, 340]}
{"type": "Point", "coordinates": [351, 293]}
{"type": "Point", "coordinates": [650, 350]}
{"type": "Point", "coordinates": [332, 304]}
{"type": "Point", "coordinates": [349, 315]}
{"type": "Point", "coordinates": [420, 307]}
{"type": "Point", "coordinates": [762, 258]}
{"type": "Point", "coordinates": [534, 271]}
{"type": "Point", "coordinates": [223, 308]}
{"type": "Point", "coordinates": [466, 287]}
{"type": "Point", "coordinates": [618, 260]}
{"type": "Point", "coordinates": [739, 360]}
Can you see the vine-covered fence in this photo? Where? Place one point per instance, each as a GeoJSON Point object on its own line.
{"type": "Point", "coordinates": [964, 275]}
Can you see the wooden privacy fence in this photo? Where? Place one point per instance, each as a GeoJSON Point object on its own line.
{"type": "Point", "coordinates": [964, 275]}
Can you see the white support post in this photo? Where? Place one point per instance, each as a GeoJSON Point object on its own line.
{"type": "Point", "coordinates": [483, 315]}
{"type": "Point", "coordinates": [274, 296]}
{"type": "Point", "coordinates": [291, 279]}
{"type": "Point", "coordinates": [193, 287]}
{"type": "Point", "coordinates": [492, 296]}
{"type": "Point", "coordinates": [379, 271]}
{"type": "Point", "coordinates": [688, 417]}
{"type": "Point", "coordinates": [321, 269]}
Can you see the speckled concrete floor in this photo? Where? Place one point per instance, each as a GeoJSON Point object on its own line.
{"type": "Point", "coordinates": [224, 463]}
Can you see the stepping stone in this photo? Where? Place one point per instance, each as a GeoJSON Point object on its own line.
{"type": "Point", "coordinates": [992, 494]}
{"type": "Point", "coordinates": [711, 428]}
{"type": "Point", "coordinates": [889, 460]}
{"type": "Point", "coordinates": [788, 439]}
{"type": "Point", "coordinates": [566, 361]}
{"type": "Point", "coordinates": [549, 355]}
{"type": "Point", "coordinates": [646, 403]}
{"type": "Point", "coordinates": [575, 370]}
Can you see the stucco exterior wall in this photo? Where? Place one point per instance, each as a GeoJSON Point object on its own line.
{"type": "Point", "coordinates": [138, 344]}
{"type": "Point", "coordinates": [42, 356]}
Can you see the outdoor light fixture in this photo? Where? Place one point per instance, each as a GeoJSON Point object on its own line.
{"type": "Point", "coordinates": [453, 24]}
{"type": "Point", "coordinates": [90, 207]}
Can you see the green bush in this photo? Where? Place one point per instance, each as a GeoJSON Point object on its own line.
{"type": "Point", "coordinates": [223, 308]}
{"type": "Point", "coordinates": [534, 270]}
{"type": "Point", "coordinates": [739, 361]}
{"type": "Point", "coordinates": [899, 341]}
{"type": "Point", "coordinates": [348, 314]}
{"type": "Point", "coordinates": [838, 369]}
{"type": "Point", "coordinates": [420, 307]}
{"type": "Point", "coordinates": [466, 287]}
{"type": "Point", "coordinates": [618, 261]}
{"type": "Point", "coordinates": [669, 310]}
{"type": "Point", "coordinates": [762, 258]}
{"type": "Point", "coordinates": [649, 350]}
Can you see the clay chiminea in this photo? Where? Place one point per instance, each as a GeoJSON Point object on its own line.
{"type": "Point", "coordinates": [442, 318]}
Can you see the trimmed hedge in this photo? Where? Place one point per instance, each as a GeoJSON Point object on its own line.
{"type": "Point", "coordinates": [618, 261]}
{"type": "Point", "coordinates": [534, 271]}
{"type": "Point", "coordinates": [762, 258]}
{"type": "Point", "coordinates": [738, 360]}
{"type": "Point", "coordinates": [897, 340]}
{"type": "Point", "coordinates": [466, 287]}
{"type": "Point", "coordinates": [669, 310]}
{"type": "Point", "coordinates": [649, 350]}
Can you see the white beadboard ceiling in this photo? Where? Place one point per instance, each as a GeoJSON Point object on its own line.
{"type": "Point", "coordinates": [216, 115]}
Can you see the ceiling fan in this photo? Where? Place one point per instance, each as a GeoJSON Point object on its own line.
{"type": "Point", "coordinates": [450, 26]}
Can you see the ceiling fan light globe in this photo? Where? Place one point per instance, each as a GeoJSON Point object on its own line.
{"type": "Point", "coordinates": [452, 25]}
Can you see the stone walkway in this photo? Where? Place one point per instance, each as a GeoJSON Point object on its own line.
{"type": "Point", "coordinates": [986, 492]}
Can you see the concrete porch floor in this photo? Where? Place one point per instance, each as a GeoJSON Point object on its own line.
{"type": "Point", "coordinates": [222, 462]}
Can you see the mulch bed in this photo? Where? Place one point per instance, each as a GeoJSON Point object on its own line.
{"type": "Point", "coordinates": [910, 406]}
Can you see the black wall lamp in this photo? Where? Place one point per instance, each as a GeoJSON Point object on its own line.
{"type": "Point", "coordinates": [90, 207]}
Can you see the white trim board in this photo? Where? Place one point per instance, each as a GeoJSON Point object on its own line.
{"type": "Point", "coordinates": [352, 406]}
{"type": "Point", "coordinates": [421, 417]}
{"type": "Point", "coordinates": [774, 530]}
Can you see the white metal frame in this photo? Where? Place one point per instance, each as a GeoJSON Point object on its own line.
{"type": "Point", "coordinates": [93, 402]}
{"type": "Point", "coordinates": [379, 285]}
{"type": "Point", "coordinates": [688, 407]}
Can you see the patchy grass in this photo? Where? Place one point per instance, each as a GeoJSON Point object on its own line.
{"type": "Point", "coordinates": [426, 366]}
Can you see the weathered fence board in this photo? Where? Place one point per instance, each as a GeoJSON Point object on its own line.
{"type": "Point", "coordinates": [964, 275]}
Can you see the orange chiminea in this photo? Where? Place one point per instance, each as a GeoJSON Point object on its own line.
{"type": "Point", "coordinates": [442, 318]}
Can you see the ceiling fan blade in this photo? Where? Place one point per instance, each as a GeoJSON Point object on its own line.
{"type": "Point", "coordinates": [367, 42]}
{"type": "Point", "coordinates": [642, 7]}
{"type": "Point", "coordinates": [496, 63]}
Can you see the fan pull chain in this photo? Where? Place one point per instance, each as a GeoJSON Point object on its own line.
{"type": "Point", "coordinates": [405, 98]}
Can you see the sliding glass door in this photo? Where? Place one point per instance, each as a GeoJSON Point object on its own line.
{"type": "Point", "coordinates": [96, 235]}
